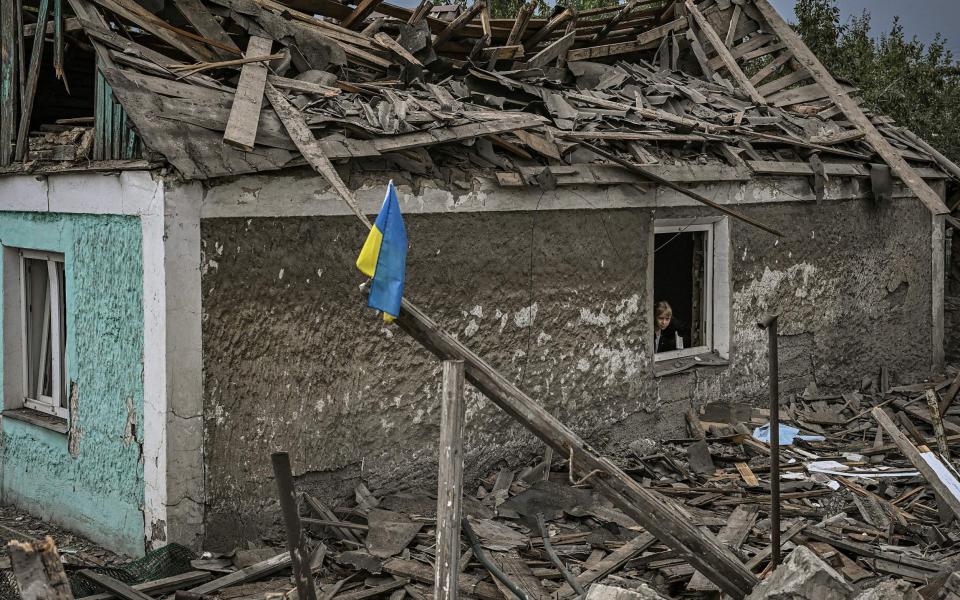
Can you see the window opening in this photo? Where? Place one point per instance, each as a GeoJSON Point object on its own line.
{"type": "Point", "coordinates": [683, 287]}
{"type": "Point", "coordinates": [43, 302]}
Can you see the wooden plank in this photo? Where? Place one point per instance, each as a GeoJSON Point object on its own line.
{"type": "Point", "coordinates": [554, 22]}
{"type": "Point", "coordinates": [770, 68]}
{"type": "Point", "coordinates": [517, 571]}
{"type": "Point", "coordinates": [466, 584]}
{"type": "Point", "coordinates": [614, 20]}
{"type": "Point", "coordinates": [767, 551]}
{"type": "Point", "coordinates": [208, 26]}
{"type": "Point", "coordinates": [747, 474]}
{"type": "Point", "coordinates": [732, 27]}
{"type": "Point", "coordinates": [450, 482]}
{"type": "Point", "coordinates": [700, 54]}
{"type": "Point", "coordinates": [179, 39]}
{"type": "Point", "coordinates": [161, 586]}
{"type": "Point", "coordinates": [721, 49]}
{"type": "Point", "coordinates": [733, 534]}
{"type": "Point", "coordinates": [9, 78]}
{"type": "Point", "coordinates": [459, 23]}
{"type": "Point", "coordinates": [241, 128]}
{"type": "Point", "coordinates": [923, 415]}
{"type": "Point", "coordinates": [776, 85]}
{"type": "Point", "coordinates": [940, 487]}
{"type": "Point", "coordinates": [663, 518]}
{"type": "Point", "coordinates": [520, 23]}
{"type": "Point", "coordinates": [361, 11]}
{"type": "Point", "coordinates": [30, 89]}
{"type": "Point", "coordinates": [687, 192]}
{"type": "Point", "coordinates": [37, 567]}
{"type": "Point", "coordinates": [934, 405]}
{"type": "Point", "coordinates": [851, 109]}
{"type": "Point", "coordinates": [117, 587]}
{"type": "Point", "coordinates": [310, 149]}
{"type": "Point", "coordinates": [554, 50]}
{"type": "Point", "coordinates": [645, 40]}
{"type": "Point", "coordinates": [251, 573]}
{"type": "Point", "coordinates": [610, 563]}
{"type": "Point", "coordinates": [390, 44]}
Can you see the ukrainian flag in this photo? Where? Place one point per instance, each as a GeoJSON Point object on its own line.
{"type": "Point", "coordinates": [384, 257]}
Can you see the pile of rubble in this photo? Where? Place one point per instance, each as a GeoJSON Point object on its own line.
{"type": "Point", "coordinates": [869, 512]}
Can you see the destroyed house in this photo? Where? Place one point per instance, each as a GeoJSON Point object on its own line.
{"type": "Point", "coordinates": [185, 186]}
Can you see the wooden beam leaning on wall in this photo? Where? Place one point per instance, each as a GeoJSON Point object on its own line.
{"type": "Point", "coordinates": [850, 108]}
{"type": "Point", "coordinates": [666, 520]}
{"type": "Point", "coordinates": [247, 101]}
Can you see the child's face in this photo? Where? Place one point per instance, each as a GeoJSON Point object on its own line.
{"type": "Point", "coordinates": [663, 321]}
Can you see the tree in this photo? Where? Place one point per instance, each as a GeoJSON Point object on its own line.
{"type": "Point", "coordinates": [917, 85]}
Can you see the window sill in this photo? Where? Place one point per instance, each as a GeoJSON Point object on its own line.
{"type": "Point", "coordinates": [35, 417]}
{"type": "Point", "coordinates": [674, 366]}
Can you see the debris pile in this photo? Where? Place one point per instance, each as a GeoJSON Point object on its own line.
{"type": "Point", "coordinates": [869, 513]}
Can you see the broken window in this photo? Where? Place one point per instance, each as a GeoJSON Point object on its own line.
{"type": "Point", "coordinates": [43, 302]}
{"type": "Point", "coordinates": [685, 276]}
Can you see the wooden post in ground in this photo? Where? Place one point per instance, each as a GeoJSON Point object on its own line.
{"type": "Point", "coordinates": [291, 518]}
{"type": "Point", "coordinates": [450, 481]}
{"type": "Point", "coordinates": [38, 570]}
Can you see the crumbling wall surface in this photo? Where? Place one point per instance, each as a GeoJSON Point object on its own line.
{"type": "Point", "coordinates": [557, 300]}
{"type": "Point", "coordinates": [293, 360]}
{"type": "Point", "coordinates": [90, 480]}
{"type": "Point", "coordinates": [853, 284]}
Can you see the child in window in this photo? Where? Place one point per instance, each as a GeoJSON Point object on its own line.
{"type": "Point", "coordinates": [664, 328]}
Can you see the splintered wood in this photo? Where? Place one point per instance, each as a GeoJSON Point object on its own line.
{"type": "Point", "coordinates": [39, 573]}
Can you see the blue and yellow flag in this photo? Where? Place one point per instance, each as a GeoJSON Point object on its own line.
{"type": "Point", "coordinates": [384, 257]}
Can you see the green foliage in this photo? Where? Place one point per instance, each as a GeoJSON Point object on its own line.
{"type": "Point", "coordinates": [918, 85]}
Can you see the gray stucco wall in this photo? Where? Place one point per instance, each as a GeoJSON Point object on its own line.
{"type": "Point", "coordinates": [557, 300]}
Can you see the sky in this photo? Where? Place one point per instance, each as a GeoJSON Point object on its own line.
{"type": "Point", "coordinates": [921, 18]}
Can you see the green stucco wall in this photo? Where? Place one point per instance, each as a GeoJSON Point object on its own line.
{"type": "Point", "coordinates": [100, 491]}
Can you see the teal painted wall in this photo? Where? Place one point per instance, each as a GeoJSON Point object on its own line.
{"type": "Point", "coordinates": [99, 493]}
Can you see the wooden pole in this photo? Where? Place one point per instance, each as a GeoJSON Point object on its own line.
{"type": "Point", "coordinates": [770, 324]}
{"type": "Point", "coordinates": [450, 481]}
{"type": "Point", "coordinates": [291, 519]}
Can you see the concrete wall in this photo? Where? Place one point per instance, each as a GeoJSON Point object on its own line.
{"type": "Point", "coordinates": [558, 300]}
{"type": "Point", "coordinates": [90, 480]}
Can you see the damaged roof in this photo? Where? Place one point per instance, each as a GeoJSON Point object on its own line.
{"type": "Point", "coordinates": [720, 90]}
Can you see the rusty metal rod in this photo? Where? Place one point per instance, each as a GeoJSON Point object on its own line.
{"type": "Point", "coordinates": [770, 325]}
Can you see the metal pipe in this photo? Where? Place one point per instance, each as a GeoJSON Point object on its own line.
{"type": "Point", "coordinates": [291, 519]}
{"type": "Point", "coordinates": [494, 570]}
{"type": "Point", "coordinates": [770, 325]}
{"type": "Point", "coordinates": [548, 547]}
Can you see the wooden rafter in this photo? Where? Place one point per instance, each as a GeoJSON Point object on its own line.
{"type": "Point", "coordinates": [850, 109]}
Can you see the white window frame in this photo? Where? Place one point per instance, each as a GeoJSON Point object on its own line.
{"type": "Point", "coordinates": [716, 283]}
{"type": "Point", "coordinates": [47, 404]}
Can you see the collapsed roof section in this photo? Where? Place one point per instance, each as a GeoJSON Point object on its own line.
{"type": "Point", "coordinates": [678, 87]}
